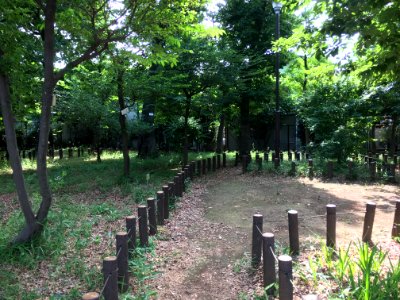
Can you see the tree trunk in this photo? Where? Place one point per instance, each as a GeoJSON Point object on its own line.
{"type": "Point", "coordinates": [244, 137]}
{"type": "Point", "coordinates": [220, 134]}
{"type": "Point", "coordinates": [122, 122]}
{"type": "Point", "coordinates": [47, 96]}
{"type": "Point", "coordinates": [15, 161]}
{"type": "Point", "coordinates": [186, 131]}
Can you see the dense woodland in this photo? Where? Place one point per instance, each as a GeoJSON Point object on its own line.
{"type": "Point", "coordinates": [150, 76]}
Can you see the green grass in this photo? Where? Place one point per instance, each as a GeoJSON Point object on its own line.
{"type": "Point", "coordinates": [85, 193]}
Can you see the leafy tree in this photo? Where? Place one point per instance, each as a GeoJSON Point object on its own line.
{"type": "Point", "coordinates": [71, 32]}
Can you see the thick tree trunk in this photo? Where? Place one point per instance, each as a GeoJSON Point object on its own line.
{"type": "Point", "coordinates": [15, 161]}
{"type": "Point", "coordinates": [220, 134]}
{"type": "Point", "coordinates": [186, 130]}
{"type": "Point", "coordinates": [244, 137]}
{"type": "Point", "coordinates": [122, 122]}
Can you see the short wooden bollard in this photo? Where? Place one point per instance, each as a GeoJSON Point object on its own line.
{"type": "Point", "coordinates": [131, 230]}
{"type": "Point", "coordinates": [122, 261]}
{"type": "Point", "coordinates": [293, 232]}
{"type": "Point", "coordinates": [256, 245]}
{"type": "Point", "coordinates": [244, 164]}
{"type": "Point", "coordinates": [182, 182]}
{"type": "Point", "coordinates": [166, 191]}
{"type": "Point", "coordinates": [70, 153]}
{"type": "Point", "coordinates": [259, 163]}
{"type": "Point", "coordinates": [392, 173]}
{"type": "Point", "coordinates": [269, 261]}
{"type": "Point", "coordinates": [198, 167]}
{"type": "Point", "coordinates": [310, 163]}
{"type": "Point", "coordinates": [214, 163]}
{"type": "Point", "coordinates": [297, 156]}
{"type": "Point", "coordinates": [151, 204]}
{"type": "Point", "coordinates": [385, 158]}
{"type": "Point", "coordinates": [329, 172]}
{"type": "Point", "coordinates": [208, 164]}
{"type": "Point", "coordinates": [236, 159]}
{"type": "Point", "coordinates": [396, 221]}
{"type": "Point", "coordinates": [60, 153]}
{"type": "Point", "coordinates": [293, 168]}
{"type": "Point", "coordinates": [311, 172]}
{"type": "Point", "coordinates": [290, 155]}
{"type": "Point", "coordinates": [285, 277]}
{"type": "Point", "coordinates": [395, 159]}
{"type": "Point", "coordinates": [203, 166]}
{"type": "Point", "coordinates": [186, 172]}
{"type": "Point", "coordinates": [331, 225]}
{"type": "Point", "coordinates": [368, 222]}
{"type": "Point", "coordinates": [224, 160]}
{"type": "Point", "coordinates": [266, 156]}
{"type": "Point", "coordinates": [276, 162]}
{"type": "Point", "coordinates": [350, 166]}
{"type": "Point", "coordinates": [372, 171]}
{"type": "Point", "coordinates": [192, 169]}
{"type": "Point", "coordinates": [143, 230]}
{"type": "Point", "coordinates": [281, 156]}
{"type": "Point", "coordinates": [91, 296]}
{"type": "Point", "coordinates": [171, 186]}
{"type": "Point", "coordinates": [176, 186]}
{"type": "Point", "coordinates": [218, 161]}
{"type": "Point", "coordinates": [110, 273]}
{"type": "Point", "coordinates": [160, 207]}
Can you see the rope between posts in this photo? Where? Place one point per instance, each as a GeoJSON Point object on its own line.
{"type": "Point", "coordinates": [259, 230]}
{"type": "Point", "coordinates": [273, 253]}
{"type": "Point", "coordinates": [105, 284]}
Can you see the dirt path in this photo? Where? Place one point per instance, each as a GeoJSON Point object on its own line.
{"type": "Point", "coordinates": [202, 251]}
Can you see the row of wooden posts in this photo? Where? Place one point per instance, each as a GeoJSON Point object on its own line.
{"type": "Point", "coordinates": [263, 245]}
{"type": "Point", "coordinates": [31, 154]}
{"type": "Point", "coordinates": [388, 168]}
{"type": "Point", "coordinates": [115, 268]}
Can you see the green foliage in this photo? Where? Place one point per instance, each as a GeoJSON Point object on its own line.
{"type": "Point", "coordinates": [366, 275]}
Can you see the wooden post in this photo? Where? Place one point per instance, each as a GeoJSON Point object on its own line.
{"type": "Point", "coordinates": [199, 167]}
{"type": "Point", "coordinates": [224, 160]}
{"type": "Point", "coordinates": [60, 153]}
{"type": "Point", "coordinates": [165, 189]}
{"type": "Point", "coordinates": [151, 204]}
{"type": "Point", "coordinates": [214, 163]}
{"type": "Point", "coordinates": [192, 170]}
{"type": "Point", "coordinates": [293, 168]}
{"type": "Point", "coordinates": [396, 221]}
{"type": "Point", "coordinates": [372, 171]}
{"type": "Point", "coordinates": [368, 222]}
{"type": "Point", "coordinates": [293, 232]}
{"type": "Point", "coordinates": [311, 172]}
{"type": "Point", "coordinates": [281, 155]}
{"type": "Point", "coordinates": [329, 172]}
{"type": "Point", "coordinates": [310, 162]}
{"type": "Point", "coordinates": [186, 172]}
{"type": "Point", "coordinates": [331, 225]}
{"type": "Point", "coordinates": [131, 230]}
{"type": "Point", "coordinates": [218, 161]}
{"type": "Point", "coordinates": [285, 277]}
{"type": "Point", "coordinates": [160, 207]}
{"type": "Point", "coordinates": [143, 230]}
{"type": "Point", "coordinates": [259, 163]}
{"type": "Point", "coordinates": [171, 186]}
{"type": "Point", "coordinates": [110, 273]}
{"type": "Point", "coordinates": [350, 165]}
{"type": "Point", "coordinates": [244, 164]}
{"type": "Point", "coordinates": [182, 182]}
{"type": "Point", "coordinates": [269, 261]}
{"type": "Point", "coordinates": [297, 155]}
{"type": "Point", "coordinates": [122, 261]}
{"type": "Point", "coordinates": [208, 164]}
{"type": "Point", "coordinates": [276, 162]}
{"type": "Point", "coordinates": [203, 166]}
{"type": "Point", "coordinates": [70, 153]}
{"type": "Point", "coordinates": [392, 173]}
{"type": "Point", "coordinates": [266, 156]}
{"type": "Point", "coordinates": [256, 245]}
{"type": "Point", "coordinates": [176, 186]}
{"type": "Point", "coordinates": [91, 296]}
{"type": "Point", "coordinates": [290, 155]}
{"type": "Point", "coordinates": [236, 159]}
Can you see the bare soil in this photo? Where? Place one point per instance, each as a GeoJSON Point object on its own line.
{"type": "Point", "coordinates": [202, 254]}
